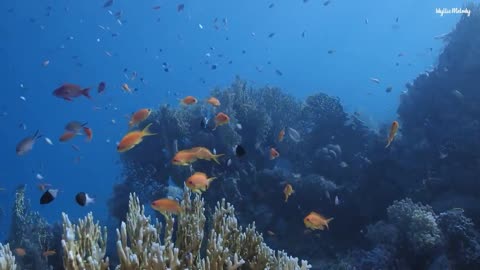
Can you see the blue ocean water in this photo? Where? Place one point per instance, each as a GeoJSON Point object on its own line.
{"type": "Point", "coordinates": [74, 39]}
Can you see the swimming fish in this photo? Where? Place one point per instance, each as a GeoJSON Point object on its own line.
{"type": "Point", "coordinates": [281, 134]}
{"type": "Point", "coordinates": [126, 88]}
{"type": "Point", "coordinates": [189, 100]}
{"type": "Point", "coordinates": [316, 221]}
{"type": "Point", "coordinates": [205, 154]}
{"type": "Point", "coordinates": [83, 199]}
{"type": "Point", "coordinates": [69, 91]}
{"type": "Point", "coordinates": [199, 182]}
{"type": "Point", "coordinates": [26, 144]}
{"type": "Point", "coordinates": [165, 206]}
{"type": "Point", "coordinates": [213, 101]}
{"type": "Point", "coordinates": [48, 196]}
{"type": "Point", "coordinates": [294, 135]}
{"type": "Point", "coordinates": [88, 132]}
{"type": "Point", "coordinates": [393, 132]}
{"type": "Point", "coordinates": [337, 201]}
{"type": "Point", "coordinates": [180, 7]}
{"type": "Point", "coordinates": [49, 253]}
{"type": "Point", "coordinates": [101, 87]}
{"type": "Point", "coordinates": [47, 140]}
{"type": "Point", "coordinates": [184, 158]}
{"type": "Point", "coordinates": [221, 119]}
{"type": "Point", "coordinates": [274, 153]}
{"type": "Point", "coordinates": [20, 252]}
{"type": "Point", "coordinates": [375, 80]}
{"type": "Point", "coordinates": [68, 135]}
{"type": "Point", "coordinates": [133, 138]}
{"type": "Point", "coordinates": [239, 150]}
{"type": "Point", "coordinates": [139, 116]}
{"type": "Point", "coordinates": [75, 126]}
{"type": "Point", "coordinates": [288, 191]}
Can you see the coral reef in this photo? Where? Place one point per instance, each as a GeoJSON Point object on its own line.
{"type": "Point", "coordinates": [7, 259]}
{"type": "Point", "coordinates": [84, 245]}
{"type": "Point", "coordinates": [139, 243]}
{"type": "Point", "coordinates": [30, 232]}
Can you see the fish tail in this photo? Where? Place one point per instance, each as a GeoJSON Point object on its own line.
{"type": "Point", "coordinates": [215, 158]}
{"type": "Point", "coordinates": [388, 143]}
{"type": "Point", "coordinates": [326, 222]}
{"type": "Point", "coordinates": [209, 180]}
{"type": "Point", "coordinates": [86, 92]}
{"type": "Point", "coordinates": [146, 131]}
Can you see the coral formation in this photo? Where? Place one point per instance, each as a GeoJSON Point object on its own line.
{"type": "Point", "coordinates": [84, 245]}
{"type": "Point", "coordinates": [7, 259]}
{"type": "Point", "coordinates": [30, 232]}
{"type": "Point", "coordinates": [139, 244]}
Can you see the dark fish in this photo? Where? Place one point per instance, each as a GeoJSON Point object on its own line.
{"type": "Point", "coordinates": [303, 34]}
{"type": "Point", "coordinates": [278, 72]}
{"type": "Point", "coordinates": [389, 89]}
{"type": "Point", "coordinates": [331, 51]}
{"type": "Point", "coordinates": [156, 7]}
{"type": "Point", "coordinates": [83, 199]}
{"type": "Point", "coordinates": [271, 35]}
{"type": "Point", "coordinates": [271, 5]}
{"type": "Point", "coordinates": [204, 122]}
{"type": "Point", "coordinates": [396, 20]}
{"type": "Point", "coordinates": [180, 7]}
{"type": "Point", "coordinates": [214, 66]}
{"type": "Point", "coordinates": [101, 87]}
{"type": "Point", "coordinates": [240, 151]}
{"type": "Point", "coordinates": [326, 3]}
{"type": "Point", "coordinates": [26, 144]}
{"type": "Point", "coordinates": [48, 196]}
{"type": "Point", "coordinates": [108, 3]}
{"type": "Point", "coordinates": [69, 91]}
{"type": "Point", "coordinates": [75, 126]}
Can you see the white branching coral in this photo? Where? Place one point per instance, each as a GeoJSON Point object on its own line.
{"type": "Point", "coordinates": [7, 259]}
{"type": "Point", "coordinates": [84, 245]}
{"type": "Point", "coordinates": [228, 246]}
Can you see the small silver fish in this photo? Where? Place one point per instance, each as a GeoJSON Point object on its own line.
{"type": "Point", "coordinates": [48, 140]}
{"type": "Point", "coordinates": [327, 194]}
{"type": "Point", "coordinates": [229, 162]}
{"type": "Point", "coordinates": [175, 146]}
{"type": "Point", "coordinates": [294, 135]}
{"type": "Point", "coordinates": [39, 176]}
{"type": "Point", "coordinates": [337, 201]}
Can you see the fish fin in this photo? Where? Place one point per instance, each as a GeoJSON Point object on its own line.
{"type": "Point", "coordinates": [86, 93]}
{"type": "Point", "coordinates": [209, 180]}
{"type": "Point", "coordinates": [327, 221]}
{"type": "Point", "coordinates": [215, 158]}
{"type": "Point", "coordinates": [388, 144]}
{"type": "Point", "coordinates": [146, 131]}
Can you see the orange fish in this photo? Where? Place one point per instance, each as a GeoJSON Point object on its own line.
{"type": "Point", "coordinates": [221, 119]}
{"type": "Point", "coordinates": [205, 154]}
{"type": "Point", "coordinates": [274, 153]}
{"type": "Point", "coordinates": [67, 136]}
{"type": "Point", "coordinates": [49, 253]}
{"type": "Point", "coordinates": [288, 191]}
{"type": "Point", "coordinates": [20, 252]}
{"type": "Point", "coordinates": [316, 221]}
{"type": "Point", "coordinates": [133, 138]}
{"type": "Point", "coordinates": [281, 134]}
{"type": "Point", "coordinates": [199, 182]}
{"type": "Point", "coordinates": [139, 116]}
{"type": "Point", "coordinates": [393, 132]}
{"type": "Point", "coordinates": [184, 158]}
{"type": "Point", "coordinates": [213, 101]}
{"type": "Point", "coordinates": [189, 100]}
{"type": "Point", "coordinates": [88, 132]}
{"type": "Point", "coordinates": [165, 206]}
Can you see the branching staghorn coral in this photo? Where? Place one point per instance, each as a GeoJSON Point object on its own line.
{"type": "Point", "coordinates": [228, 246]}
{"type": "Point", "coordinates": [84, 245]}
{"type": "Point", "coordinates": [7, 259]}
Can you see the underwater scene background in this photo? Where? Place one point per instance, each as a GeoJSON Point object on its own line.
{"type": "Point", "coordinates": [284, 135]}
